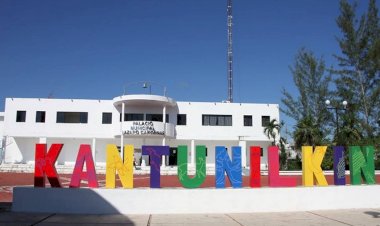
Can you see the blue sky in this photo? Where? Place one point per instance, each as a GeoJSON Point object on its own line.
{"type": "Point", "coordinates": [94, 49]}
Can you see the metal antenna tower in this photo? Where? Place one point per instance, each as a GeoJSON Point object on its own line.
{"type": "Point", "coordinates": [229, 51]}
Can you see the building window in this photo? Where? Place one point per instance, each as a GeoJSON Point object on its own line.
{"type": "Point", "coordinates": [107, 118]}
{"type": "Point", "coordinates": [72, 117]}
{"type": "Point", "coordinates": [156, 117]}
{"type": "Point", "coordinates": [133, 117]}
{"type": "Point", "coordinates": [247, 120]}
{"type": "Point", "coordinates": [265, 120]}
{"type": "Point", "coordinates": [181, 119]}
{"type": "Point", "coordinates": [20, 116]}
{"type": "Point", "coordinates": [217, 120]}
{"type": "Point", "coordinates": [40, 116]}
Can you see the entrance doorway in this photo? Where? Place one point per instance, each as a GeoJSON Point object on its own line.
{"type": "Point", "coordinates": [173, 156]}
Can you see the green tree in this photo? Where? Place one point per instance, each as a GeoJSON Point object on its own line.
{"type": "Point", "coordinates": [312, 81]}
{"type": "Point", "coordinates": [307, 133]}
{"type": "Point", "coordinates": [283, 154]}
{"type": "Point", "coordinates": [272, 129]}
{"type": "Point", "coordinates": [307, 108]}
{"type": "Point", "coordinates": [358, 78]}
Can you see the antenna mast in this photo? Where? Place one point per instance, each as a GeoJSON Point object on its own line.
{"type": "Point", "coordinates": [229, 51]}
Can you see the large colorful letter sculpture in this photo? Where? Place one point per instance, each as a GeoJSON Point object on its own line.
{"type": "Point", "coordinates": [255, 156]}
{"type": "Point", "coordinates": [114, 163]}
{"type": "Point", "coordinates": [274, 176]}
{"type": "Point", "coordinates": [84, 155]}
{"type": "Point", "coordinates": [44, 165]}
{"type": "Point", "coordinates": [155, 153]}
{"type": "Point", "coordinates": [233, 169]}
{"type": "Point", "coordinates": [311, 165]}
{"type": "Point", "coordinates": [362, 161]}
{"type": "Point", "coordinates": [200, 173]}
{"type": "Point", "coordinates": [339, 166]}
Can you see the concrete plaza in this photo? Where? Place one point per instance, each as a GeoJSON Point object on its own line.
{"type": "Point", "coordinates": [333, 217]}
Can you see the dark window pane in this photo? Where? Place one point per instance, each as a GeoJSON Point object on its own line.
{"type": "Point", "coordinates": [72, 117]}
{"type": "Point", "coordinates": [156, 117]}
{"type": "Point", "coordinates": [217, 120]}
{"type": "Point", "coordinates": [40, 116]}
{"type": "Point", "coordinates": [181, 119]}
{"type": "Point", "coordinates": [220, 120]}
{"type": "Point", "coordinates": [213, 120]}
{"type": "Point", "coordinates": [205, 120]}
{"type": "Point", "coordinates": [172, 160]}
{"type": "Point", "coordinates": [247, 120]}
{"type": "Point", "coordinates": [265, 120]}
{"type": "Point", "coordinates": [107, 118]}
{"type": "Point", "coordinates": [60, 117]}
{"type": "Point", "coordinates": [228, 120]}
{"type": "Point", "coordinates": [83, 117]}
{"type": "Point", "coordinates": [133, 117]}
{"type": "Point", "coordinates": [21, 116]}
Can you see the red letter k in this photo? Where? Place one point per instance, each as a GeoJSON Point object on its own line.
{"type": "Point", "coordinates": [44, 165]}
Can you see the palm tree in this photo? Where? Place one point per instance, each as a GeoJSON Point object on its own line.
{"type": "Point", "coordinates": [307, 132]}
{"type": "Point", "coordinates": [272, 129]}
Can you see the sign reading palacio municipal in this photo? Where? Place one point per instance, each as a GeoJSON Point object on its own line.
{"type": "Point", "coordinates": [144, 128]}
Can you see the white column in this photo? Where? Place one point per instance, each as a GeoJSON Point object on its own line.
{"type": "Point", "coordinates": [93, 149]}
{"type": "Point", "coordinates": [164, 139]}
{"type": "Point", "coordinates": [163, 157]}
{"type": "Point", "coordinates": [192, 153]}
{"type": "Point", "coordinates": [243, 145]}
{"type": "Point", "coordinates": [164, 119]}
{"type": "Point", "coordinates": [121, 131]}
{"type": "Point", "coordinates": [42, 140]}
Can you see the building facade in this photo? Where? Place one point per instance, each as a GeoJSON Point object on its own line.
{"type": "Point", "coordinates": [133, 119]}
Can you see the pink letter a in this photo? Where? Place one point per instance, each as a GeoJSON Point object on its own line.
{"type": "Point", "coordinates": [84, 154]}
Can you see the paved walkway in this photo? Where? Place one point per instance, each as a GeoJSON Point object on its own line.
{"type": "Point", "coordinates": [325, 218]}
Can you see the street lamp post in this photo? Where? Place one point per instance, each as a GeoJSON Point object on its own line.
{"type": "Point", "coordinates": [149, 85]}
{"type": "Point", "coordinates": [336, 109]}
{"type": "Point", "coordinates": [145, 85]}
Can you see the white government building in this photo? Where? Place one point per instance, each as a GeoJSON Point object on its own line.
{"type": "Point", "coordinates": [139, 119]}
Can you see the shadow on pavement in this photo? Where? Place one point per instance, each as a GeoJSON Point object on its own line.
{"type": "Point", "coordinates": [5, 206]}
{"type": "Point", "coordinates": [55, 206]}
{"type": "Point", "coordinates": [374, 214]}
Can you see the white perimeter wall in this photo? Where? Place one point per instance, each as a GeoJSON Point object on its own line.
{"type": "Point", "coordinates": [189, 201]}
